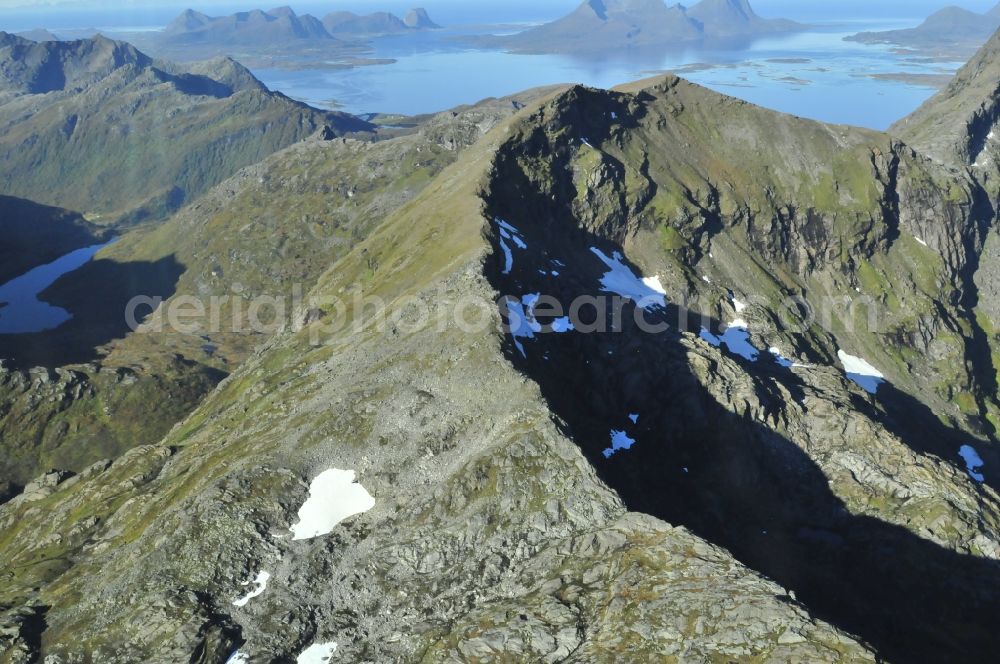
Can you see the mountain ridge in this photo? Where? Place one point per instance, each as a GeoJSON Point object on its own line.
{"type": "Point", "coordinates": [252, 26]}
{"type": "Point", "coordinates": [69, 110]}
{"type": "Point", "coordinates": [271, 27]}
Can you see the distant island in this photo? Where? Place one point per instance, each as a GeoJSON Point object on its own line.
{"type": "Point", "coordinates": [952, 30]}
{"type": "Point", "coordinates": [38, 35]}
{"type": "Point", "coordinates": [378, 23]}
{"type": "Point", "coordinates": [598, 25]}
{"type": "Point", "coordinates": [278, 37]}
{"type": "Point", "coordinates": [281, 25]}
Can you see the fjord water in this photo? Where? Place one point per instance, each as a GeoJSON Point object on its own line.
{"type": "Point", "coordinates": [21, 311]}
{"type": "Point", "coordinates": [814, 74]}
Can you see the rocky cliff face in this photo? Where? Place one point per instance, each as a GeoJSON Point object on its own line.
{"type": "Point", "coordinates": [954, 126]}
{"type": "Point", "coordinates": [722, 445]}
{"type": "Point", "coordinates": [958, 128]}
{"type": "Point", "coordinates": [546, 493]}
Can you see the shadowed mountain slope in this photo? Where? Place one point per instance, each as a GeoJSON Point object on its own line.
{"type": "Point", "coordinates": [36, 234]}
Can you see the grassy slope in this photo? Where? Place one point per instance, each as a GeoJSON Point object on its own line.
{"type": "Point", "coordinates": [271, 229]}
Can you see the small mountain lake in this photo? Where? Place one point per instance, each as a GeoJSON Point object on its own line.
{"type": "Point", "coordinates": [20, 309]}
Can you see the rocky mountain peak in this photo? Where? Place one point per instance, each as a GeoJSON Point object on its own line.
{"type": "Point", "coordinates": [39, 67]}
{"type": "Point", "coordinates": [283, 11]}
{"type": "Point", "coordinates": [959, 124]}
{"type": "Point", "coordinates": [189, 19]}
{"type": "Point", "coordinates": [252, 27]}
{"type": "Point", "coordinates": [418, 18]}
{"type": "Point", "coordinates": [733, 17]}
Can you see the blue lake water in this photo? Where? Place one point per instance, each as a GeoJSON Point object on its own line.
{"type": "Point", "coordinates": [23, 311]}
{"type": "Point", "coordinates": [815, 74]}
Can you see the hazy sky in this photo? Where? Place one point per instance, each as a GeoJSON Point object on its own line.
{"type": "Point", "coordinates": [490, 10]}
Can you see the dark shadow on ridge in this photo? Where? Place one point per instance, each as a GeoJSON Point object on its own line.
{"type": "Point", "coordinates": [722, 474]}
{"type": "Point", "coordinates": [97, 296]}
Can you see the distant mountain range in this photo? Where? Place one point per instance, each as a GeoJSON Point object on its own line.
{"type": "Point", "coordinates": [951, 28]}
{"type": "Point", "coordinates": [97, 126]}
{"type": "Point", "coordinates": [38, 35]}
{"type": "Point", "coordinates": [283, 24]}
{"type": "Point", "coordinates": [603, 24]}
{"type": "Point", "coordinates": [377, 23]}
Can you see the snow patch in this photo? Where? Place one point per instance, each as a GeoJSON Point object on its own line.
{"type": "Point", "coordinates": [861, 372]}
{"type": "Point", "coordinates": [920, 240]}
{"type": "Point", "coordinates": [973, 462]}
{"type": "Point", "coordinates": [237, 658]}
{"type": "Point", "coordinates": [333, 496]}
{"type": "Point", "coordinates": [654, 283]}
{"type": "Point", "coordinates": [562, 325]}
{"type": "Point", "coordinates": [619, 441]}
{"type": "Point", "coordinates": [260, 585]}
{"type": "Point", "coordinates": [521, 319]}
{"type": "Point", "coordinates": [706, 279]}
{"type": "Point", "coordinates": [516, 239]}
{"type": "Point", "coordinates": [317, 653]}
{"type": "Point", "coordinates": [508, 232]}
{"type": "Point", "coordinates": [646, 293]}
{"type": "Point", "coordinates": [634, 417]}
{"type": "Point", "coordinates": [736, 337]}
{"type": "Point", "coordinates": [507, 226]}
{"type": "Point", "coordinates": [781, 359]}
{"type": "Point", "coordinates": [508, 257]}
